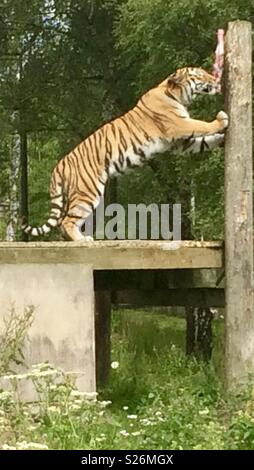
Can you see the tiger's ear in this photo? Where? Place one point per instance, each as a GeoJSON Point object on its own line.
{"type": "Point", "coordinates": [174, 79]}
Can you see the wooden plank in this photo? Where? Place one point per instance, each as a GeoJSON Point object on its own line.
{"type": "Point", "coordinates": [238, 206]}
{"type": "Point", "coordinates": [171, 297]}
{"type": "Point", "coordinates": [132, 254]}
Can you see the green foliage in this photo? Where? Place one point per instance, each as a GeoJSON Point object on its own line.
{"type": "Point", "coordinates": [44, 152]}
{"type": "Point", "coordinates": [157, 36]}
{"type": "Point", "coordinates": [5, 168]}
{"type": "Point", "coordinates": [68, 68]}
{"type": "Point", "coordinates": [12, 338]}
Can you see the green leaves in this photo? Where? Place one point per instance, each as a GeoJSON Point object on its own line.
{"type": "Point", "coordinates": [72, 65]}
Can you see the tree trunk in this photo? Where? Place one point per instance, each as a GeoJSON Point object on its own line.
{"type": "Point", "coordinates": [238, 206]}
{"type": "Point", "coordinates": [23, 181]}
{"type": "Point", "coordinates": [13, 210]}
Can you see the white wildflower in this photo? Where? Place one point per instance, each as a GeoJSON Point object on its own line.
{"type": "Point", "coordinates": [9, 377]}
{"type": "Point", "coordinates": [74, 406]}
{"type": "Point", "coordinates": [132, 416]}
{"type": "Point", "coordinates": [36, 445]}
{"type": "Point", "coordinates": [31, 445]}
{"type": "Point", "coordinates": [114, 365]}
{"type": "Point", "coordinates": [35, 371]}
{"type": "Point", "coordinates": [42, 365]}
{"type": "Point", "coordinates": [88, 395]}
{"type": "Point", "coordinates": [52, 386]}
{"type": "Point", "coordinates": [158, 413]}
{"type": "Point", "coordinates": [105, 403]}
{"type": "Point", "coordinates": [5, 395]}
{"type": "Point", "coordinates": [125, 408]}
{"type": "Point", "coordinates": [78, 401]}
{"type": "Point", "coordinates": [7, 447]}
{"type": "Point", "coordinates": [146, 422]}
{"type": "Point", "coordinates": [75, 393]}
{"type": "Point", "coordinates": [136, 433]}
{"type": "Point", "coordinates": [54, 409]}
{"type": "Point", "coordinates": [151, 395]}
{"type": "Point", "coordinates": [16, 376]}
{"type": "Point", "coordinates": [23, 376]}
{"type": "Point", "coordinates": [32, 427]}
{"type": "Point", "coordinates": [124, 433]}
{"type": "Point", "coordinates": [204, 412]}
{"type": "Point", "coordinates": [44, 373]}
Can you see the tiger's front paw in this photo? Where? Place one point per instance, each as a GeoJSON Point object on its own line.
{"type": "Point", "coordinates": [222, 118]}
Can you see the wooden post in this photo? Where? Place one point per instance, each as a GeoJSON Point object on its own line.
{"type": "Point", "coordinates": [102, 335]}
{"type": "Point", "coordinates": [238, 206]}
{"type": "Point", "coordinates": [190, 330]}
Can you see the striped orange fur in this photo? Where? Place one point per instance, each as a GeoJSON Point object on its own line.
{"type": "Point", "coordinates": [159, 122]}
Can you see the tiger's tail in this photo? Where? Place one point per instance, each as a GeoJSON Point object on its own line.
{"type": "Point", "coordinates": [56, 213]}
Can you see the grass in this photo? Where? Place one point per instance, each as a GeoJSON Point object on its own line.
{"type": "Point", "coordinates": [156, 399]}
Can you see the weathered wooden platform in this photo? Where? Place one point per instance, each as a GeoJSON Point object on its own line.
{"type": "Point", "coordinates": [118, 255]}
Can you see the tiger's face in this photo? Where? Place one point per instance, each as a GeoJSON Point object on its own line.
{"type": "Point", "coordinates": [186, 83]}
{"type": "Point", "coordinates": [198, 79]}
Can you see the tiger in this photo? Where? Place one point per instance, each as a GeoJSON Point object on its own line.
{"type": "Point", "coordinates": [159, 122]}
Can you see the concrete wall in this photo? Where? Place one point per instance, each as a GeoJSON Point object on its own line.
{"type": "Point", "coordinates": [63, 328]}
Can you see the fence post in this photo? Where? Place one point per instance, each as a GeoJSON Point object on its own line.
{"type": "Point", "coordinates": [239, 347]}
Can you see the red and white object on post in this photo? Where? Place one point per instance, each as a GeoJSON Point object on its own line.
{"type": "Point", "coordinates": [219, 57]}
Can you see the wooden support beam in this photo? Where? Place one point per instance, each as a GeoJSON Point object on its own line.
{"type": "Point", "coordinates": [199, 332]}
{"type": "Point", "coordinates": [171, 297]}
{"type": "Point", "coordinates": [238, 205]}
{"type": "Point", "coordinates": [127, 254]}
{"type": "Point", "coordinates": [149, 279]}
{"type": "Point", "coordinates": [102, 336]}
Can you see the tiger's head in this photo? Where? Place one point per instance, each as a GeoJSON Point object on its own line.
{"type": "Point", "coordinates": [185, 84]}
{"type": "Point", "coordinates": [188, 82]}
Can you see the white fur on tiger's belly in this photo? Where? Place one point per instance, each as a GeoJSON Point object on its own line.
{"type": "Point", "coordinates": [153, 147]}
{"type": "Point", "coordinates": [131, 158]}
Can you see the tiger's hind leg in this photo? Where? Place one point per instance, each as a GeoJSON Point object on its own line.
{"type": "Point", "coordinates": [72, 230]}
{"type": "Point", "coordinates": [74, 221]}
